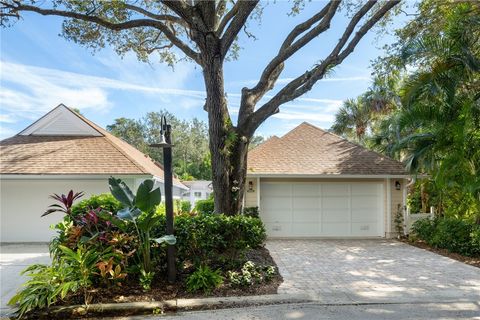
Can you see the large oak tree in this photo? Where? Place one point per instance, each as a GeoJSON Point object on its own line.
{"type": "Point", "coordinates": [206, 32]}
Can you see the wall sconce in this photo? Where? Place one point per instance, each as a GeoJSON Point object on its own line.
{"type": "Point", "coordinates": [398, 185]}
{"type": "Point", "coordinates": [250, 186]}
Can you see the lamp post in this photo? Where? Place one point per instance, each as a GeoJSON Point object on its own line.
{"type": "Point", "coordinates": [166, 145]}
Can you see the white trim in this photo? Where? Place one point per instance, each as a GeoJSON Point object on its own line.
{"type": "Point", "coordinates": [258, 194]}
{"type": "Point", "coordinates": [389, 207]}
{"type": "Point", "coordinates": [82, 177]}
{"type": "Point", "coordinates": [333, 176]}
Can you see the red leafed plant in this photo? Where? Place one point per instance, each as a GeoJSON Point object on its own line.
{"type": "Point", "coordinates": [66, 202]}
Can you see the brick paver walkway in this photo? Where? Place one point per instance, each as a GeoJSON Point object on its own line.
{"type": "Point", "coordinates": [350, 271]}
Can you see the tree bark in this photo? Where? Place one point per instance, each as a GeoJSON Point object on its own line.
{"type": "Point", "coordinates": [228, 145]}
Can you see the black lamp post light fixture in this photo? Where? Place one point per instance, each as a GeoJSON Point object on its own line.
{"type": "Point", "coordinates": [166, 144]}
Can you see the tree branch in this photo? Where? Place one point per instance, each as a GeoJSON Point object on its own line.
{"type": "Point", "coordinates": [237, 22]}
{"type": "Point", "coordinates": [226, 19]}
{"type": "Point", "coordinates": [160, 17]}
{"type": "Point", "coordinates": [274, 68]}
{"type": "Point", "coordinates": [305, 82]}
{"type": "Point", "coordinates": [136, 23]}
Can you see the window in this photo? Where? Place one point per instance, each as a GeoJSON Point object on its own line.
{"type": "Point", "coordinates": [197, 194]}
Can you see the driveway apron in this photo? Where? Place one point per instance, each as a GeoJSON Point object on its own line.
{"type": "Point", "coordinates": [372, 271]}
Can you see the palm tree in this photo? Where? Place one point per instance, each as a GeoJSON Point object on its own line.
{"type": "Point", "coordinates": [352, 119]}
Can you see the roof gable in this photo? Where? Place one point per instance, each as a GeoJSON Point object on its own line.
{"type": "Point", "coordinates": [309, 150]}
{"type": "Point", "coordinates": [61, 121]}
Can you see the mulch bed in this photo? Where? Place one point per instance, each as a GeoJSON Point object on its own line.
{"type": "Point", "coordinates": [131, 291]}
{"type": "Point", "coordinates": [473, 261]}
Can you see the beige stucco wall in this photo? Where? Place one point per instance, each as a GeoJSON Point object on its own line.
{"type": "Point", "coordinates": [396, 199]}
{"type": "Point", "coordinates": [23, 201]}
{"type": "Point", "coordinates": [396, 196]}
{"type": "Point", "coordinates": [251, 196]}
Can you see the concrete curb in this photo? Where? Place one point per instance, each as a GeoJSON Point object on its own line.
{"type": "Point", "coordinates": [138, 308]}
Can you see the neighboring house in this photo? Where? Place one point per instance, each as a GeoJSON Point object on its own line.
{"type": "Point", "coordinates": [62, 151]}
{"type": "Point", "coordinates": [312, 183]}
{"type": "Point", "coordinates": [197, 190]}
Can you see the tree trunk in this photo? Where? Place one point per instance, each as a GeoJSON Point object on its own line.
{"type": "Point", "coordinates": [228, 148]}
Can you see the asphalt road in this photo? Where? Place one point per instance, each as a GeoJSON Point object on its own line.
{"type": "Point", "coordinates": [443, 311]}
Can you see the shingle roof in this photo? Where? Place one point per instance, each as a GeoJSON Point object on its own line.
{"type": "Point", "coordinates": [85, 155]}
{"type": "Point", "coordinates": [308, 150]}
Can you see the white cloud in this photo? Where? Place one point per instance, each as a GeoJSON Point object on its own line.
{"type": "Point", "coordinates": [28, 91]}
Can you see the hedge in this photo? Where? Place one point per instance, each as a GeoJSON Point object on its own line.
{"type": "Point", "coordinates": [453, 234]}
{"type": "Point", "coordinates": [215, 238]}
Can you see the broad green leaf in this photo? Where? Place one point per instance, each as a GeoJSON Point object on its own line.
{"type": "Point", "coordinates": [148, 197]}
{"type": "Point", "coordinates": [129, 213]}
{"type": "Point", "coordinates": [121, 192]}
{"type": "Point", "coordinates": [169, 239]}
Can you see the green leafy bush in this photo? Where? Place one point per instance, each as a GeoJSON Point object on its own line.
{"type": "Point", "coordinates": [251, 212]}
{"type": "Point", "coordinates": [105, 201]}
{"type": "Point", "coordinates": [214, 239]}
{"type": "Point", "coordinates": [455, 235]}
{"type": "Point", "coordinates": [204, 206]}
{"type": "Point", "coordinates": [204, 279]}
{"type": "Point", "coordinates": [183, 206]}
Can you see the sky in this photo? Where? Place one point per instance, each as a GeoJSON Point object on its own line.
{"type": "Point", "coordinates": [39, 70]}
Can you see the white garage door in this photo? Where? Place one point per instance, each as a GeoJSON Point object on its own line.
{"type": "Point", "coordinates": [322, 209]}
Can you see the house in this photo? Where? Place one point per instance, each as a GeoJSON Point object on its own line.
{"type": "Point", "coordinates": [312, 183]}
{"type": "Point", "coordinates": [198, 190]}
{"type": "Point", "coordinates": [62, 151]}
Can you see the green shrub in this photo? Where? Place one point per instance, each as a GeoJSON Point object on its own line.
{"type": "Point", "coordinates": [453, 234]}
{"type": "Point", "coordinates": [204, 206]}
{"type": "Point", "coordinates": [184, 206]}
{"type": "Point", "coordinates": [424, 229]}
{"type": "Point", "coordinates": [105, 201]}
{"type": "Point", "coordinates": [251, 212]}
{"type": "Point", "coordinates": [214, 239]}
{"type": "Point", "coordinates": [204, 279]}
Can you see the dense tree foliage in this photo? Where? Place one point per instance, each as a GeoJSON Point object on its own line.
{"type": "Point", "coordinates": [434, 122]}
{"type": "Point", "coordinates": [191, 157]}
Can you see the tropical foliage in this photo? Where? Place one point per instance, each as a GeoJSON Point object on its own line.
{"type": "Point", "coordinates": [433, 122]}
{"type": "Point", "coordinates": [118, 241]}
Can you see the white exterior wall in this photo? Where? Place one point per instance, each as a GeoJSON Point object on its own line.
{"type": "Point", "coordinates": [22, 202]}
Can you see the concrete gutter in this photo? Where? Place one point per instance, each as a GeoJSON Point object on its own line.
{"type": "Point", "coordinates": [137, 308]}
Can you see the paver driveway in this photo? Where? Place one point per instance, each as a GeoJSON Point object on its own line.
{"type": "Point", "coordinates": [372, 271]}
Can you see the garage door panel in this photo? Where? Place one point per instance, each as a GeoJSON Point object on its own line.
{"type": "Point", "coordinates": [364, 215]}
{"type": "Point", "coordinates": [365, 202]}
{"type": "Point", "coordinates": [306, 215]}
{"type": "Point", "coordinates": [336, 215]}
{"type": "Point", "coordinates": [278, 190]}
{"type": "Point", "coordinates": [305, 229]}
{"type": "Point", "coordinates": [306, 203]}
{"type": "Point", "coordinates": [331, 229]}
{"type": "Point", "coordinates": [275, 203]}
{"type": "Point", "coordinates": [335, 189]}
{"type": "Point", "coordinates": [335, 203]}
{"type": "Point", "coordinates": [283, 215]}
{"type": "Point", "coordinates": [365, 189]}
{"type": "Point", "coordinates": [364, 229]}
{"type": "Point", "coordinates": [305, 190]}
{"type": "Point", "coordinates": [278, 229]}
